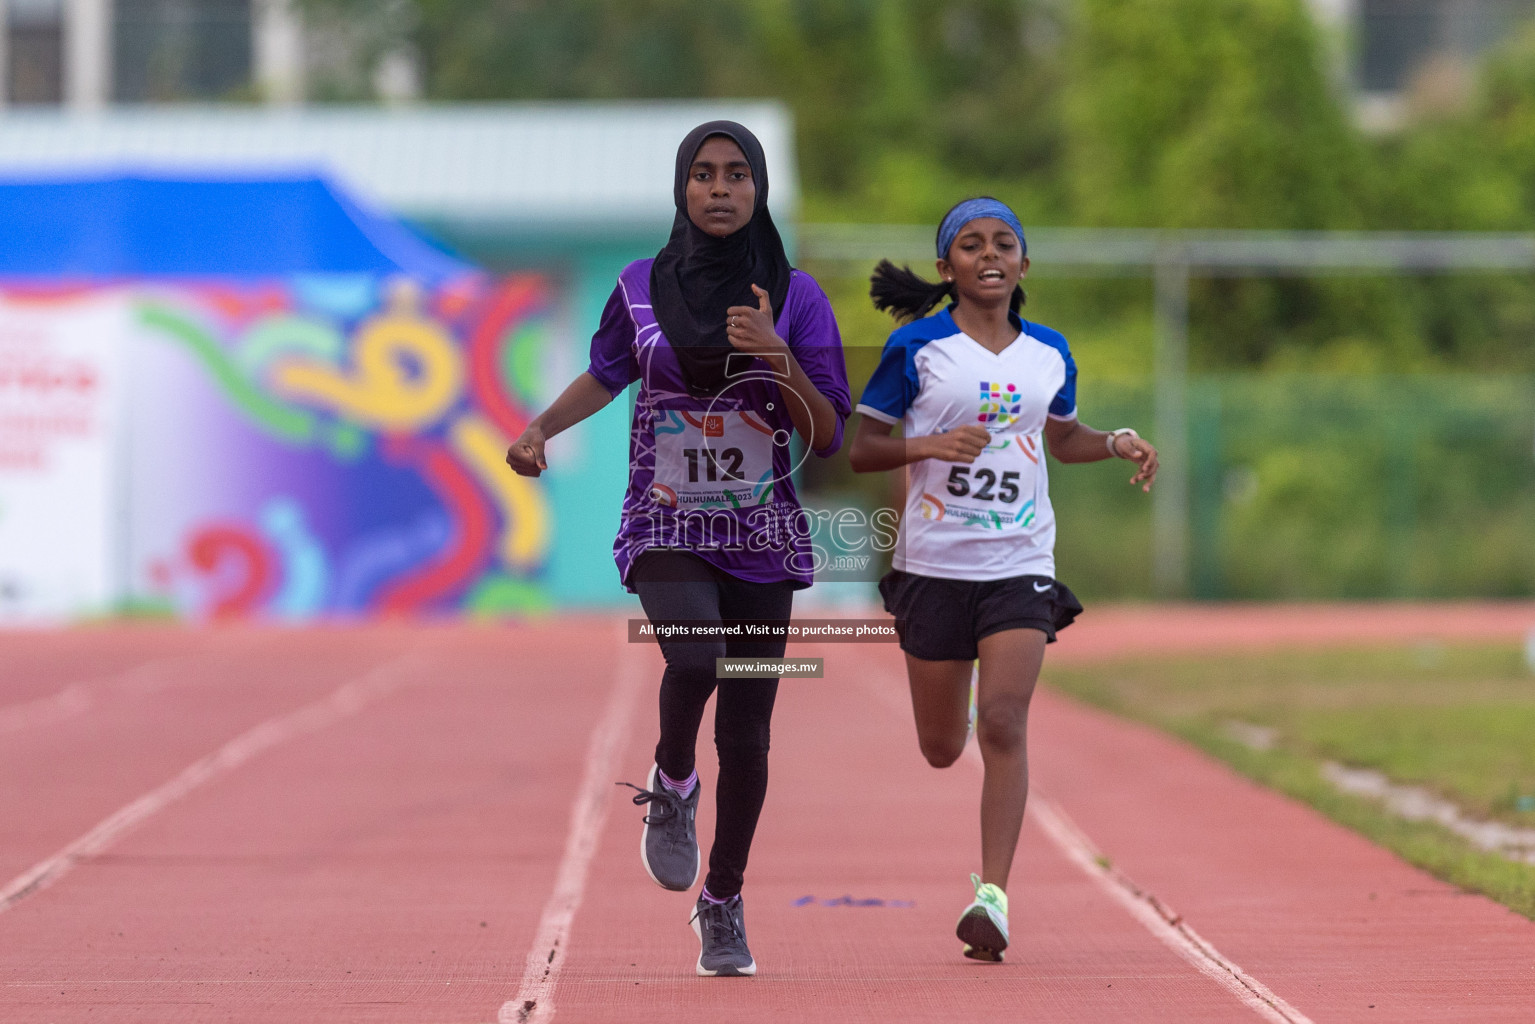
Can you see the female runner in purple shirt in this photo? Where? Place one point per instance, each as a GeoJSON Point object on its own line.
{"type": "Point", "coordinates": [735, 351]}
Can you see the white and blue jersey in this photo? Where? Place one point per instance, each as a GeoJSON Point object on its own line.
{"type": "Point", "coordinates": [992, 519]}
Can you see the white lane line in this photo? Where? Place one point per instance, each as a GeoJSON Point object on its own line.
{"type": "Point", "coordinates": [1158, 918]}
{"type": "Point", "coordinates": [344, 702]}
{"type": "Point", "coordinates": [534, 1001]}
{"type": "Point", "coordinates": [74, 699]}
{"type": "Point", "coordinates": [141, 680]}
{"type": "Point", "coordinates": [77, 698]}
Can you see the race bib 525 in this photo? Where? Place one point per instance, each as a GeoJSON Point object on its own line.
{"type": "Point", "coordinates": [996, 491]}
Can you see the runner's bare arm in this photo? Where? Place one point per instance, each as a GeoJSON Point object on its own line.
{"type": "Point", "coordinates": [1074, 441]}
{"type": "Point", "coordinates": [581, 399]}
{"type": "Point", "coordinates": [874, 449]}
{"type": "Point", "coordinates": [750, 330]}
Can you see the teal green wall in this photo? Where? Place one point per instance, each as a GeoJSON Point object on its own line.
{"type": "Point", "coordinates": [587, 491]}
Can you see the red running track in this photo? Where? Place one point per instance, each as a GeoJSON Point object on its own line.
{"type": "Point", "coordinates": [402, 823]}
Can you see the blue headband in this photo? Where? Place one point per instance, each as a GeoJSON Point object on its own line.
{"type": "Point", "coordinates": [974, 209]}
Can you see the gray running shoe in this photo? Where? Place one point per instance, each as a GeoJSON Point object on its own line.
{"type": "Point", "coordinates": [669, 845]}
{"type": "Point", "coordinates": [721, 931]}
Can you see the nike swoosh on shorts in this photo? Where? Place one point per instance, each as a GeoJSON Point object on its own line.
{"type": "Point", "coordinates": [1043, 589]}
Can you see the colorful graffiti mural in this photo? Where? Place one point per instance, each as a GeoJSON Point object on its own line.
{"type": "Point", "coordinates": [332, 446]}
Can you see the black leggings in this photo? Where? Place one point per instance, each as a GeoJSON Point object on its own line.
{"type": "Point", "coordinates": [675, 585]}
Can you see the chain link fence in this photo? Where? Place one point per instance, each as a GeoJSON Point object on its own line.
{"type": "Point", "coordinates": [1277, 485]}
{"type": "Point", "coordinates": [1321, 487]}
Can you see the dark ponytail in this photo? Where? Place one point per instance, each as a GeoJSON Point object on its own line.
{"type": "Point", "coordinates": [904, 295]}
{"type": "Point", "coordinates": [907, 296]}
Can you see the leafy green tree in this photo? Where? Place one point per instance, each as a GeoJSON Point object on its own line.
{"type": "Point", "coordinates": [1206, 114]}
{"type": "Point", "coordinates": [1116, 113]}
{"type": "Point", "coordinates": [1504, 118]}
{"type": "Point", "coordinates": [900, 106]}
{"type": "Point", "coordinates": [1467, 171]}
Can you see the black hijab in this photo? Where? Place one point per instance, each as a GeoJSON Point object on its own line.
{"type": "Point", "coordinates": [696, 277]}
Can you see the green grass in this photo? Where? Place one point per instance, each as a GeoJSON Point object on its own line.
{"type": "Point", "coordinates": [1456, 720]}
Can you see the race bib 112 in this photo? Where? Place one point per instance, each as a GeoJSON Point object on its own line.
{"type": "Point", "coordinates": [713, 460]}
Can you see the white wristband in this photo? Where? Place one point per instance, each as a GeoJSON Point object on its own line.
{"type": "Point", "coordinates": [1113, 439]}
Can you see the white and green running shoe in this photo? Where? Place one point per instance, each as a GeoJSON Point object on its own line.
{"type": "Point", "coordinates": [983, 925]}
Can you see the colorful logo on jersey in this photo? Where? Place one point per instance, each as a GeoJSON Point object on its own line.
{"type": "Point", "coordinates": [1001, 404]}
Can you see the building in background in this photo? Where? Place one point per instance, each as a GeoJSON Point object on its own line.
{"type": "Point", "coordinates": [1403, 58]}
{"type": "Point", "coordinates": [1401, 39]}
{"type": "Point", "coordinates": [85, 54]}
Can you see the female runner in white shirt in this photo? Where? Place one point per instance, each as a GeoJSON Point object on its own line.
{"type": "Point", "coordinates": [977, 390]}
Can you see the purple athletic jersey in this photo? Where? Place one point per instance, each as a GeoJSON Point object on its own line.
{"type": "Point", "coordinates": [711, 475]}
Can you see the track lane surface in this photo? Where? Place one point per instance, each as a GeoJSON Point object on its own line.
{"type": "Point", "coordinates": [1337, 926]}
{"type": "Point", "coordinates": [66, 773]}
{"type": "Point", "coordinates": [344, 875]}
{"type": "Point", "coordinates": [854, 812]}
{"type": "Point", "coordinates": [38, 665]}
{"type": "Point", "coordinates": [384, 869]}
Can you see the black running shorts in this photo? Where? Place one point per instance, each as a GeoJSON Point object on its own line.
{"type": "Point", "coordinates": [942, 620]}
